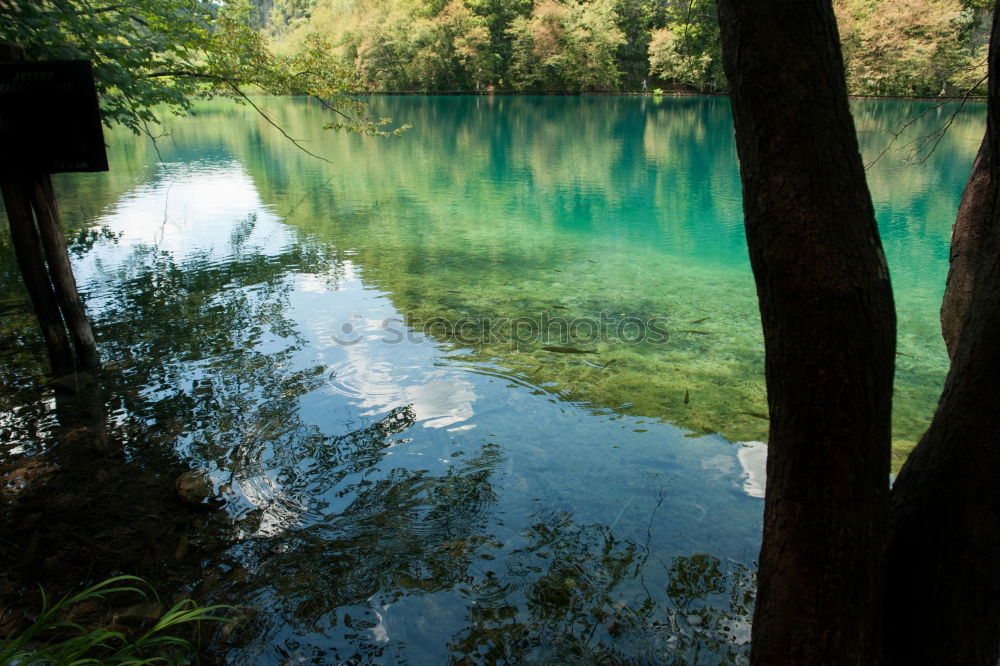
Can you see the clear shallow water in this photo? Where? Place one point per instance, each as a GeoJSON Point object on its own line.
{"type": "Point", "coordinates": [355, 353]}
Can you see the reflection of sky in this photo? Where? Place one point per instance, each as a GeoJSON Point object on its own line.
{"type": "Point", "coordinates": [191, 208]}
{"type": "Point", "coordinates": [753, 460]}
{"type": "Point", "coordinates": [372, 358]}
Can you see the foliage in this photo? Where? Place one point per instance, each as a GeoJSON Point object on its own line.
{"type": "Point", "coordinates": [286, 15]}
{"type": "Point", "coordinates": [901, 47]}
{"type": "Point", "coordinates": [688, 50]}
{"type": "Point", "coordinates": [634, 18]}
{"type": "Point", "coordinates": [153, 53]}
{"type": "Point", "coordinates": [412, 47]}
{"type": "Point", "coordinates": [668, 59]}
{"type": "Point", "coordinates": [150, 55]}
{"type": "Point", "coordinates": [379, 51]}
{"type": "Point", "coordinates": [499, 15]}
{"type": "Point", "coordinates": [45, 641]}
{"type": "Point", "coordinates": [912, 47]}
{"type": "Point", "coordinates": [569, 46]}
{"type": "Point", "coordinates": [451, 49]}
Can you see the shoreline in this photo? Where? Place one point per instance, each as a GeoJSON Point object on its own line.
{"type": "Point", "coordinates": [979, 99]}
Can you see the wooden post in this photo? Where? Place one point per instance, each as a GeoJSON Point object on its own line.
{"type": "Point", "coordinates": [31, 261]}
{"type": "Point", "coordinates": [43, 200]}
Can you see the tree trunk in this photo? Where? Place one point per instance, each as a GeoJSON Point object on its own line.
{"type": "Point", "coordinates": [31, 261]}
{"type": "Point", "coordinates": [967, 239]}
{"type": "Point", "coordinates": [829, 335]}
{"type": "Point", "coordinates": [43, 200]}
{"type": "Point", "coordinates": [944, 580]}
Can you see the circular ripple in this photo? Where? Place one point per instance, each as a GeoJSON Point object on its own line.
{"type": "Point", "coordinates": [362, 378]}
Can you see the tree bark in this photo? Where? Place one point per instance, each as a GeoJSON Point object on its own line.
{"type": "Point", "coordinates": [829, 335]}
{"type": "Point", "coordinates": [31, 261]}
{"type": "Point", "coordinates": [967, 239]}
{"type": "Point", "coordinates": [944, 580]}
{"type": "Point", "coordinates": [43, 200]}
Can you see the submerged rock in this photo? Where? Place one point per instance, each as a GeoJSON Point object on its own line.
{"type": "Point", "coordinates": [195, 487]}
{"type": "Point", "coordinates": [139, 615]}
{"type": "Point", "coordinates": [19, 477]}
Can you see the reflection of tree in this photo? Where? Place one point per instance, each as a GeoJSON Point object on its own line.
{"type": "Point", "coordinates": [399, 226]}
{"type": "Point", "coordinates": [578, 594]}
{"type": "Point", "coordinates": [200, 359]}
{"type": "Point", "coordinates": [26, 419]}
{"type": "Point", "coordinates": [714, 605]}
{"type": "Point", "coordinates": [408, 532]}
{"type": "Point", "coordinates": [185, 344]}
{"type": "Point", "coordinates": [556, 602]}
{"type": "Point", "coordinates": [403, 532]}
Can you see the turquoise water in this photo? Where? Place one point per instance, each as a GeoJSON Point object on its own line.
{"type": "Point", "coordinates": [354, 352]}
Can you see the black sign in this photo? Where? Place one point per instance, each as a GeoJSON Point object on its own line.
{"type": "Point", "coordinates": [49, 118]}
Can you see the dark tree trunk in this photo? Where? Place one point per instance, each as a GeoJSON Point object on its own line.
{"type": "Point", "coordinates": [944, 576]}
{"type": "Point", "coordinates": [829, 334]}
{"type": "Point", "coordinates": [43, 200]}
{"type": "Point", "coordinates": [31, 261]}
{"type": "Point", "coordinates": [45, 266]}
{"type": "Point", "coordinates": [967, 239]}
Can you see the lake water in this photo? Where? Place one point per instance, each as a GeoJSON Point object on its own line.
{"type": "Point", "coordinates": [355, 351]}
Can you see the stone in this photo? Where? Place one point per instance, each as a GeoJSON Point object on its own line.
{"type": "Point", "coordinates": [195, 487]}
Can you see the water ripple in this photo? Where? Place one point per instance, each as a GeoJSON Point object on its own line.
{"type": "Point", "coordinates": [365, 379]}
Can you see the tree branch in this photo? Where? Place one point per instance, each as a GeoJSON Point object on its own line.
{"type": "Point", "coordinates": [937, 135]}
{"type": "Point", "coordinates": [273, 124]}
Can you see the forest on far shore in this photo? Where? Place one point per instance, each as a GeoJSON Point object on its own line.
{"type": "Point", "coordinates": [891, 47]}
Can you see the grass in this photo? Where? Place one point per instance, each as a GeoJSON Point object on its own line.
{"type": "Point", "coordinates": [50, 641]}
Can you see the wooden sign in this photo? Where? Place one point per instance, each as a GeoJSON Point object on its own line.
{"type": "Point", "coordinates": [50, 121]}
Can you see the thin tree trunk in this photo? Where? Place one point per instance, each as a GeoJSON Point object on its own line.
{"type": "Point", "coordinates": [943, 588]}
{"type": "Point", "coordinates": [829, 334]}
{"type": "Point", "coordinates": [43, 201]}
{"type": "Point", "coordinates": [31, 261]}
{"type": "Point", "coordinates": [967, 238]}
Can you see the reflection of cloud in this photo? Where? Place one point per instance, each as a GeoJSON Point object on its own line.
{"type": "Point", "coordinates": [320, 283]}
{"type": "Point", "coordinates": [379, 381]}
{"type": "Point", "coordinates": [441, 402]}
{"type": "Point", "coordinates": [279, 511]}
{"type": "Point", "coordinates": [192, 201]}
{"type": "Point", "coordinates": [720, 463]}
{"type": "Point", "coordinates": [194, 208]}
{"type": "Point", "coordinates": [753, 458]}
